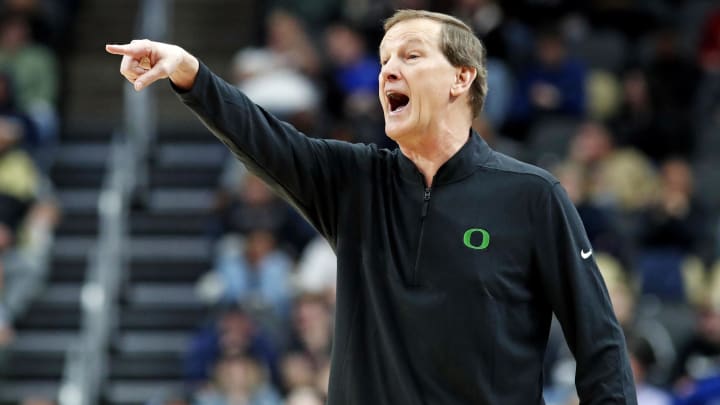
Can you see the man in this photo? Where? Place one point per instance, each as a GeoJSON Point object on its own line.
{"type": "Point", "coordinates": [451, 257]}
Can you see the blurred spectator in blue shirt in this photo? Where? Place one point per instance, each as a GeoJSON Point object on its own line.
{"type": "Point", "coordinates": [553, 85]}
{"type": "Point", "coordinates": [352, 83]}
{"type": "Point", "coordinates": [234, 332]}
{"type": "Point", "coordinates": [256, 274]}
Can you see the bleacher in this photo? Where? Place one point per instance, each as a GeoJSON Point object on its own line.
{"type": "Point", "coordinates": [170, 251]}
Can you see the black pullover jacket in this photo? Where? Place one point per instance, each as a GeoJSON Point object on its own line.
{"type": "Point", "coordinates": [445, 294]}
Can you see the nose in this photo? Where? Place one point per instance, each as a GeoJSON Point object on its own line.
{"type": "Point", "coordinates": [389, 71]}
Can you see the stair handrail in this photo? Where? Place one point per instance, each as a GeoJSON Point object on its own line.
{"type": "Point", "coordinates": [86, 365]}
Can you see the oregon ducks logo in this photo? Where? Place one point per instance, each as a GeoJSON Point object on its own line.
{"type": "Point", "coordinates": [476, 238]}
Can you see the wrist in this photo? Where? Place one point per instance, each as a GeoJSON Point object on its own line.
{"type": "Point", "coordinates": [184, 76]}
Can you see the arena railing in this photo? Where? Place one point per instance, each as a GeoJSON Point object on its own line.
{"type": "Point", "coordinates": [86, 363]}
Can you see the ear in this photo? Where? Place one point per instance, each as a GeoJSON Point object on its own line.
{"type": "Point", "coordinates": [464, 78]}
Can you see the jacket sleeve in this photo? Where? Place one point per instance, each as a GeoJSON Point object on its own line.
{"type": "Point", "coordinates": [577, 294]}
{"type": "Point", "coordinates": [309, 173]}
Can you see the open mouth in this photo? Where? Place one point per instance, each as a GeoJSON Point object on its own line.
{"type": "Point", "coordinates": [397, 101]}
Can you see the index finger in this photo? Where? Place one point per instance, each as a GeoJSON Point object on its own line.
{"type": "Point", "coordinates": [133, 50]}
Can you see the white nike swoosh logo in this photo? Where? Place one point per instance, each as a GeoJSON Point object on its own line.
{"type": "Point", "coordinates": [585, 254]}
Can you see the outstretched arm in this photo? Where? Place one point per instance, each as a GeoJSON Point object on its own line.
{"type": "Point", "coordinates": [145, 62]}
{"type": "Point", "coordinates": [309, 173]}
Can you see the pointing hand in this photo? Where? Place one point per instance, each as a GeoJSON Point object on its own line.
{"type": "Point", "coordinates": [144, 62]}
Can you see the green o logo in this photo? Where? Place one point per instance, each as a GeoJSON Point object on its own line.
{"type": "Point", "coordinates": [468, 236]}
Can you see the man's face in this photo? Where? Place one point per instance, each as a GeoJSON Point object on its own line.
{"type": "Point", "coordinates": [415, 79]}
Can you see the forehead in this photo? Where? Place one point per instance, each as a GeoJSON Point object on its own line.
{"type": "Point", "coordinates": [421, 30]}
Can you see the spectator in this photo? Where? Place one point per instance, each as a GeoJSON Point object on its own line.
{"type": "Point", "coordinates": [35, 71]}
{"type": "Point", "coordinates": [20, 265]}
{"type": "Point", "coordinates": [9, 109]}
{"type": "Point", "coordinates": [270, 82]}
{"type": "Point", "coordinates": [621, 290]}
{"type": "Point", "coordinates": [553, 85]}
{"type": "Point", "coordinates": [672, 83]}
{"type": "Point", "coordinates": [239, 380]}
{"type": "Point", "coordinates": [705, 391]}
{"type": "Point", "coordinates": [287, 37]}
{"type": "Point", "coordinates": [617, 178]}
{"type": "Point", "coordinates": [252, 205]}
{"type": "Point", "coordinates": [312, 328]}
{"type": "Point", "coordinates": [19, 184]}
{"type": "Point", "coordinates": [49, 19]}
{"type": "Point", "coordinates": [487, 18]}
{"type": "Point", "coordinates": [641, 360]}
{"type": "Point", "coordinates": [635, 123]}
{"type": "Point", "coordinates": [257, 275]}
{"type": "Point", "coordinates": [233, 333]}
{"type": "Point", "coordinates": [354, 82]}
{"type": "Point", "coordinates": [355, 69]}
{"type": "Point", "coordinates": [281, 75]}
{"type": "Point", "coordinates": [298, 371]}
{"type": "Point", "coordinates": [698, 357]}
{"type": "Point", "coordinates": [317, 270]}
{"type": "Point", "coordinates": [676, 220]}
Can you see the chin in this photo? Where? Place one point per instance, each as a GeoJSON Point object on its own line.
{"type": "Point", "coordinates": [397, 132]}
{"type": "Point", "coordinates": [393, 134]}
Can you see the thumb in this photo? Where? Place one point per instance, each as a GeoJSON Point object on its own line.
{"type": "Point", "coordinates": [133, 50]}
{"type": "Point", "coordinates": [159, 71]}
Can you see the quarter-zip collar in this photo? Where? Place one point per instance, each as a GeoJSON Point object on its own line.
{"type": "Point", "coordinates": [475, 152]}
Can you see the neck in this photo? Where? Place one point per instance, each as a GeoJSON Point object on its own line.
{"type": "Point", "coordinates": [430, 152]}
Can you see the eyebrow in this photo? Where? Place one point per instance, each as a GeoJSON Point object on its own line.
{"type": "Point", "coordinates": [408, 42]}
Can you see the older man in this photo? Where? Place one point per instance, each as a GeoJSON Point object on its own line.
{"type": "Point", "coordinates": [452, 258]}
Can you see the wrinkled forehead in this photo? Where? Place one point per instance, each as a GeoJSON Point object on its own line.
{"type": "Point", "coordinates": [421, 30]}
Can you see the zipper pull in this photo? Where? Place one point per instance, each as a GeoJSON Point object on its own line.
{"type": "Point", "coordinates": [426, 202]}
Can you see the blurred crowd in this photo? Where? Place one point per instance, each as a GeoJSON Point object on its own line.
{"type": "Point", "coordinates": [620, 100]}
{"type": "Point", "coordinates": [32, 33]}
